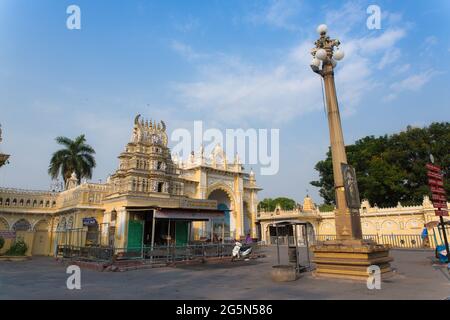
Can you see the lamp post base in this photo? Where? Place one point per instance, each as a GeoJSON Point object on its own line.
{"type": "Point", "coordinates": [349, 259]}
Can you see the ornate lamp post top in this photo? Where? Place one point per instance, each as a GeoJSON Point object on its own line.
{"type": "Point", "coordinates": [3, 157]}
{"type": "Point", "coordinates": [326, 51]}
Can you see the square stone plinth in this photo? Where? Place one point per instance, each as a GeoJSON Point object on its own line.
{"type": "Point", "coordinates": [349, 259]}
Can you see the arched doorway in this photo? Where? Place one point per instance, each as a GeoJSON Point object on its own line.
{"type": "Point", "coordinates": [228, 222]}
{"type": "Point", "coordinates": [24, 233]}
{"type": "Point", "coordinates": [40, 242]}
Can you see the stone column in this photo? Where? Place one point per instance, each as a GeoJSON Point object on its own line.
{"type": "Point", "coordinates": [348, 225]}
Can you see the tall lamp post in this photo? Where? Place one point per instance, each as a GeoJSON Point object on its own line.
{"type": "Point", "coordinates": [348, 224]}
{"type": "Point", "coordinates": [349, 255]}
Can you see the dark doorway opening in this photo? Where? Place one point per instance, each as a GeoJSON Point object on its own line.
{"type": "Point", "coordinates": [148, 226]}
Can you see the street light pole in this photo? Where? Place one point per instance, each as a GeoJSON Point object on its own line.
{"type": "Point", "coordinates": [349, 256]}
{"type": "Point", "coordinates": [348, 223]}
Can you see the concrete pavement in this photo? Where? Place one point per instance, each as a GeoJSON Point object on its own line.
{"type": "Point", "coordinates": [44, 278]}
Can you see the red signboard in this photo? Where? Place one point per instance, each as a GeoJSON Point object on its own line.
{"type": "Point", "coordinates": [434, 182]}
{"type": "Point", "coordinates": [441, 213]}
{"type": "Point", "coordinates": [438, 198]}
{"type": "Point", "coordinates": [438, 195]}
{"type": "Point", "coordinates": [435, 175]}
{"type": "Point", "coordinates": [433, 167]}
{"type": "Point", "coordinates": [437, 190]}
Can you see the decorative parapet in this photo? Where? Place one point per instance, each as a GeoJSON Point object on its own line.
{"type": "Point", "coordinates": [27, 199]}
{"type": "Point", "coordinates": [366, 211]}
{"type": "Point", "coordinates": [279, 213]}
{"type": "Point", "coordinates": [87, 194]}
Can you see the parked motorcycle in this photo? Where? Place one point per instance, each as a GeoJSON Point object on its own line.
{"type": "Point", "coordinates": [240, 251]}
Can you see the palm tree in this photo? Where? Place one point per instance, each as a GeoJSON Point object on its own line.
{"type": "Point", "coordinates": [77, 156]}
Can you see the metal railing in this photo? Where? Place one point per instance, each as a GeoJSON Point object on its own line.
{"type": "Point", "coordinates": [282, 240]}
{"type": "Point", "coordinates": [157, 254]}
{"type": "Point", "coordinates": [397, 241]}
{"type": "Point", "coordinates": [85, 253]}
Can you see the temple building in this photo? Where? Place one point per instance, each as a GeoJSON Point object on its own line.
{"type": "Point", "coordinates": [402, 223]}
{"type": "Point", "coordinates": [151, 199]}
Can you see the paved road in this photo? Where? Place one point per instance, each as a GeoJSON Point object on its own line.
{"type": "Point", "coordinates": [43, 278]}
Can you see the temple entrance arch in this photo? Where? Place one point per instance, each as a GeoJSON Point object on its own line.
{"type": "Point", "coordinates": [225, 202]}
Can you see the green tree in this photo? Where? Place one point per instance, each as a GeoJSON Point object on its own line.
{"type": "Point", "coordinates": [285, 203]}
{"type": "Point", "coordinates": [77, 156]}
{"type": "Point", "coordinates": [392, 168]}
{"type": "Point", "coordinates": [19, 248]}
{"type": "Point", "coordinates": [326, 208]}
{"type": "Point", "coordinates": [266, 205]}
{"type": "Point", "coordinates": [269, 204]}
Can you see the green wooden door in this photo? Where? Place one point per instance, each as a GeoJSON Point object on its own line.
{"type": "Point", "coordinates": [135, 229]}
{"type": "Point", "coordinates": [181, 233]}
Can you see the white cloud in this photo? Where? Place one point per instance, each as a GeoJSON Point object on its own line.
{"type": "Point", "coordinates": [190, 24]}
{"type": "Point", "coordinates": [412, 83]}
{"type": "Point", "coordinates": [230, 88]}
{"type": "Point", "coordinates": [401, 69]}
{"type": "Point", "coordinates": [279, 14]}
{"type": "Point", "coordinates": [372, 45]}
{"type": "Point", "coordinates": [186, 51]}
{"type": "Point", "coordinates": [389, 58]}
{"type": "Point", "coordinates": [428, 45]}
{"type": "Point", "coordinates": [344, 19]}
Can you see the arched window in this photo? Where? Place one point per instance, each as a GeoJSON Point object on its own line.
{"type": "Point", "coordinates": [22, 225]}
{"type": "Point", "coordinates": [28, 202]}
{"type": "Point", "coordinates": [1, 201]}
{"type": "Point", "coordinates": [53, 204]}
{"type": "Point", "coordinates": [7, 202]}
{"type": "Point", "coordinates": [14, 203]}
{"type": "Point", "coordinates": [61, 225]}
{"type": "Point", "coordinates": [69, 224]}
{"type": "Point", "coordinates": [34, 203]}
{"type": "Point", "coordinates": [21, 202]}
{"type": "Point", "coordinates": [47, 204]}
{"type": "Point", "coordinates": [41, 225]}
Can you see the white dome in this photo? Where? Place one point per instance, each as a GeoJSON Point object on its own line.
{"type": "Point", "coordinates": [321, 54]}
{"type": "Point", "coordinates": [315, 62]}
{"type": "Point", "coordinates": [339, 55]}
{"type": "Point", "coordinates": [322, 29]}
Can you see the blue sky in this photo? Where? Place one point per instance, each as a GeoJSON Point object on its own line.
{"type": "Point", "coordinates": [232, 64]}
